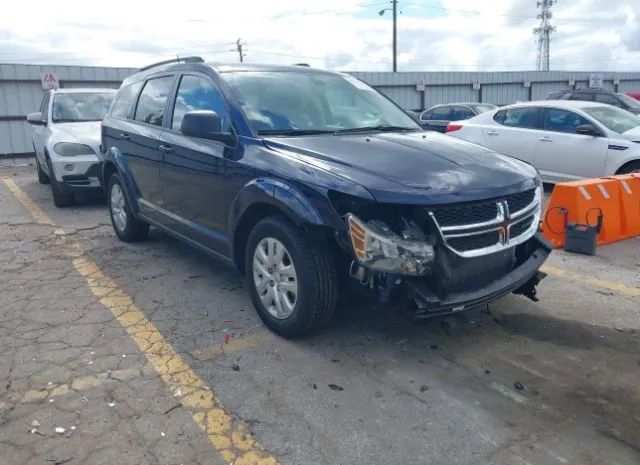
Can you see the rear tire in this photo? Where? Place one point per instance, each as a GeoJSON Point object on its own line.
{"type": "Point", "coordinates": [304, 275]}
{"type": "Point", "coordinates": [633, 167]}
{"type": "Point", "coordinates": [43, 178]}
{"type": "Point", "coordinates": [127, 227]}
{"type": "Point", "coordinates": [61, 198]}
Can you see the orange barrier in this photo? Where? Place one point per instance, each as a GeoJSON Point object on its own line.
{"type": "Point", "coordinates": [629, 186]}
{"type": "Point", "coordinates": [582, 202]}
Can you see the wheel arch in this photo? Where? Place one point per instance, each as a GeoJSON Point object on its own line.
{"type": "Point", "coordinates": [627, 164]}
{"type": "Point", "coordinates": [262, 198]}
{"type": "Point", "coordinates": [114, 163]}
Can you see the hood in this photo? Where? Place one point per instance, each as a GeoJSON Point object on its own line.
{"type": "Point", "coordinates": [86, 132]}
{"type": "Point", "coordinates": [415, 167]}
{"type": "Point", "coordinates": [632, 134]}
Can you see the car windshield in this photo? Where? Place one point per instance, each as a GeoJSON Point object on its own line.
{"type": "Point", "coordinates": [629, 101]}
{"type": "Point", "coordinates": [614, 118]}
{"type": "Point", "coordinates": [300, 103]}
{"type": "Point", "coordinates": [485, 107]}
{"type": "Point", "coordinates": [81, 106]}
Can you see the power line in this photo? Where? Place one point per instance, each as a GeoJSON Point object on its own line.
{"type": "Point", "coordinates": [480, 13]}
{"type": "Point", "coordinates": [325, 12]}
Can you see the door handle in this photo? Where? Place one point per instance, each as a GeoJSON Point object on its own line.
{"type": "Point", "coordinates": [125, 136]}
{"type": "Point", "coordinates": [545, 139]}
{"type": "Point", "coordinates": [493, 133]}
{"type": "Point", "coordinates": [166, 148]}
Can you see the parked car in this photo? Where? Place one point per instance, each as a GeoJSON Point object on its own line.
{"type": "Point", "coordinates": [438, 117]}
{"type": "Point", "coordinates": [563, 139]}
{"type": "Point", "coordinates": [66, 140]}
{"type": "Point", "coordinates": [598, 95]}
{"type": "Point", "coordinates": [300, 177]}
{"type": "Point", "coordinates": [635, 95]}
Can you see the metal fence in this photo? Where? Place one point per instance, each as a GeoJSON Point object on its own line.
{"type": "Point", "coordinates": [21, 90]}
{"type": "Point", "coordinates": [418, 91]}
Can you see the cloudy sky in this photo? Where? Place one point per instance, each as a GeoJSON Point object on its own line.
{"type": "Point", "coordinates": [337, 34]}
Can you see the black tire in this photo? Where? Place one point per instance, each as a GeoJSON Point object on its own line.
{"type": "Point", "coordinates": [316, 278]}
{"type": "Point", "coordinates": [61, 198]}
{"type": "Point", "coordinates": [134, 229]}
{"type": "Point", "coordinates": [633, 167]}
{"type": "Point", "coordinates": [43, 178]}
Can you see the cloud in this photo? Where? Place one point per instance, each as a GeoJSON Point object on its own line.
{"type": "Point", "coordinates": [336, 34]}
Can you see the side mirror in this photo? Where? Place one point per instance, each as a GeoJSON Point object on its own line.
{"type": "Point", "coordinates": [587, 130]}
{"type": "Point", "coordinates": [36, 119]}
{"type": "Point", "coordinates": [205, 124]}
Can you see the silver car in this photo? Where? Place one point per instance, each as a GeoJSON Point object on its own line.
{"type": "Point", "coordinates": [66, 140]}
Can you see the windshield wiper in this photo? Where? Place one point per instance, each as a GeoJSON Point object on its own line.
{"type": "Point", "coordinates": [381, 127]}
{"type": "Point", "coordinates": [293, 132]}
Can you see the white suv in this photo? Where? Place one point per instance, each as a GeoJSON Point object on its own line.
{"type": "Point", "coordinates": [66, 139]}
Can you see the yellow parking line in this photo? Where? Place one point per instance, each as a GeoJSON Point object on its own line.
{"type": "Point", "coordinates": [36, 212]}
{"type": "Point", "coordinates": [585, 279]}
{"type": "Point", "coordinates": [229, 436]}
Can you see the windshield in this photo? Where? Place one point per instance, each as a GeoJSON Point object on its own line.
{"type": "Point", "coordinates": [296, 103]}
{"type": "Point", "coordinates": [485, 107]}
{"type": "Point", "coordinates": [614, 118]}
{"type": "Point", "coordinates": [629, 101]}
{"type": "Point", "coordinates": [85, 106]}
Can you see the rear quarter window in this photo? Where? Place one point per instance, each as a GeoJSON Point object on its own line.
{"type": "Point", "coordinates": [124, 99]}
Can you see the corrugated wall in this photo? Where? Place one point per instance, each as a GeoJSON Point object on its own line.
{"type": "Point", "coordinates": [498, 87]}
{"type": "Point", "coordinates": [21, 93]}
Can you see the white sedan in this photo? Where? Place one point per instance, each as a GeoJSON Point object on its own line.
{"type": "Point", "coordinates": [564, 140]}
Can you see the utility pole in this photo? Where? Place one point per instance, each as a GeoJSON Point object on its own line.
{"type": "Point", "coordinates": [543, 31]}
{"type": "Point", "coordinates": [239, 50]}
{"type": "Point", "coordinates": [394, 11]}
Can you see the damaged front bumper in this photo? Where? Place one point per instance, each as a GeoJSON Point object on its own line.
{"type": "Point", "coordinates": [521, 280]}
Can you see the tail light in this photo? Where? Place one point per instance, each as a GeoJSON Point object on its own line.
{"type": "Point", "coordinates": [453, 127]}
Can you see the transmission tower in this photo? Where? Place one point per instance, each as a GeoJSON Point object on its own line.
{"type": "Point", "coordinates": [543, 31]}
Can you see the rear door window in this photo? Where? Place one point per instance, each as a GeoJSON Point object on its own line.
{"type": "Point", "coordinates": [608, 99]}
{"type": "Point", "coordinates": [583, 96]}
{"type": "Point", "coordinates": [460, 113]}
{"type": "Point", "coordinates": [124, 99]}
{"type": "Point", "coordinates": [198, 93]}
{"type": "Point", "coordinates": [441, 114]}
{"type": "Point", "coordinates": [527, 117]}
{"type": "Point", "coordinates": [152, 100]}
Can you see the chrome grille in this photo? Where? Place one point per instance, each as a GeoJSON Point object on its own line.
{"type": "Point", "coordinates": [481, 228]}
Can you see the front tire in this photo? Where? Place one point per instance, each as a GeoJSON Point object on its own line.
{"type": "Point", "coordinates": [291, 279]}
{"type": "Point", "coordinates": [127, 227]}
{"type": "Point", "coordinates": [633, 167]}
{"type": "Point", "coordinates": [61, 198]}
{"type": "Point", "coordinates": [43, 178]}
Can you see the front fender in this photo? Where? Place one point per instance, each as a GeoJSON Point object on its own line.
{"type": "Point", "coordinates": [278, 194]}
{"type": "Point", "coordinates": [114, 157]}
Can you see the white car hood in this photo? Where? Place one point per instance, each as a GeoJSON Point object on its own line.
{"type": "Point", "coordinates": [632, 134]}
{"type": "Point", "coordinates": [86, 132]}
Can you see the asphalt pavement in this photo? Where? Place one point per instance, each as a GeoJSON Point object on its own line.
{"type": "Point", "coordinates": [151, 353]}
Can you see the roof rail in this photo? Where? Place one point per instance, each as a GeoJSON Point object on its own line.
{"type": "Point", "coordinates": [306, 65]}
{"type": "Point", "coordinates": [193, 59]}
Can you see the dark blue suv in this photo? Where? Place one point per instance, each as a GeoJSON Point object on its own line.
{"type": "Point", "coordinates": [302, 178]}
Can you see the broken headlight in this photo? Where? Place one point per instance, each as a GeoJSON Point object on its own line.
{"type": "Point", "coordinates": [378, 248]}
